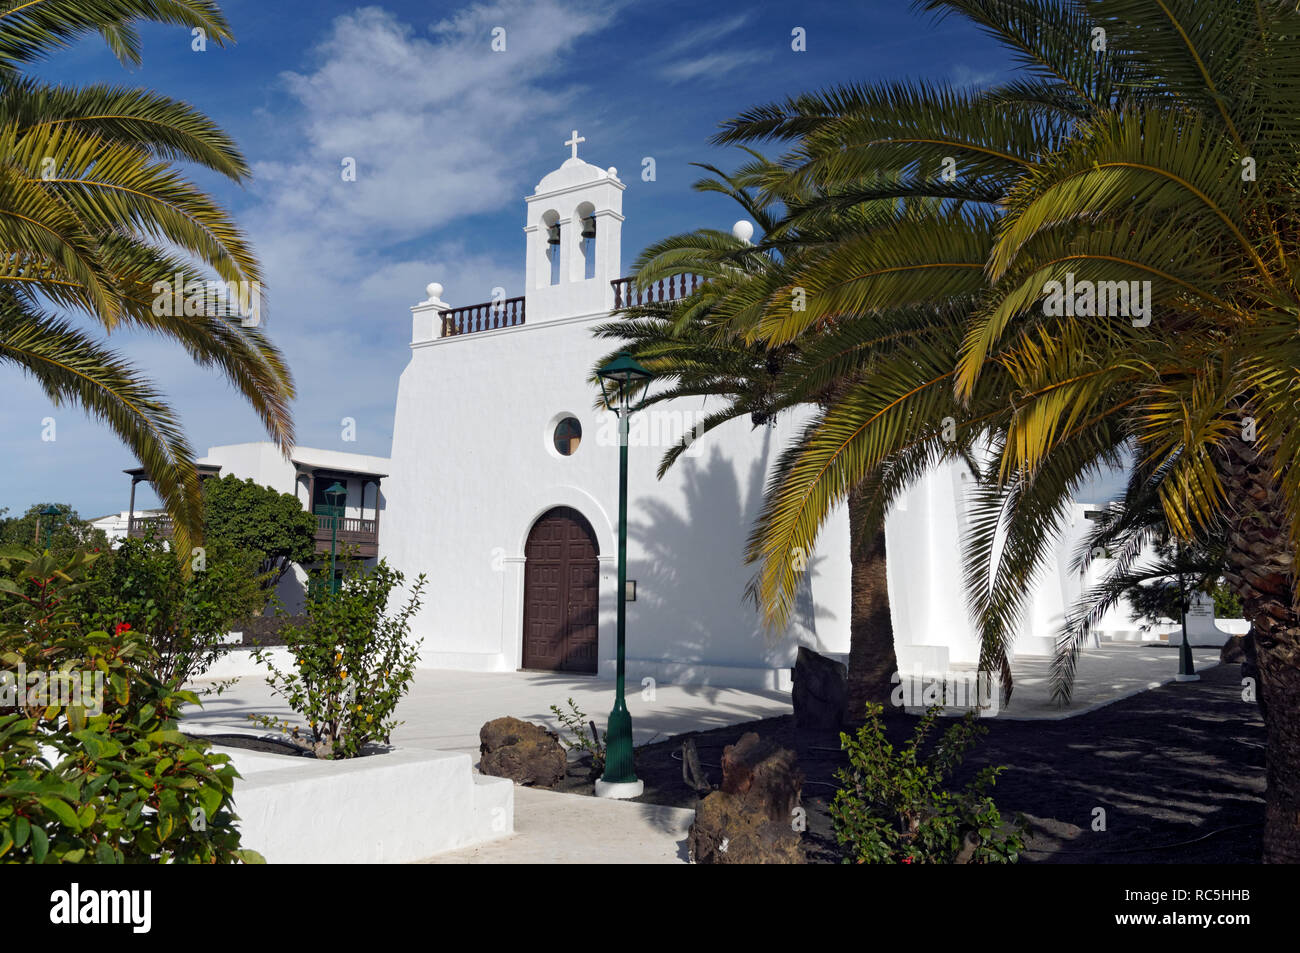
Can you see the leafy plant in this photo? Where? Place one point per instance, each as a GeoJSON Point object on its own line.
{"type": "Point", "coordinates": [101, 775]}
{"type": "Point", "coordinates": [65, 532]}
{"type": "Point", "coordinates": [352, 662]}
{"type": "Point", "coordinates": [183, 616]}
{"type": "Point", "coordinates": [892, 806]}
{"type": "Point", "coordinates": [97, 215]}
{"type": "Point", "coordinates": [259, 520]}
{"type": "Point", "coordinates": [586, 737]}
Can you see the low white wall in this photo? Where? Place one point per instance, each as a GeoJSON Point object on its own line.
{"type": "Point", "coordinates": [397, 807]}
{"type": "Point", "coordinates": [238, 663]}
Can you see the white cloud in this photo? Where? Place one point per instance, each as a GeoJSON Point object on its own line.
{"type": "Point", "coordinates": [442, 129]}
{"type": "Point", "coordinates": [694, 55]}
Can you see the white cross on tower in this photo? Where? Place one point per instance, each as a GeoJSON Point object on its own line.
{"type": "Point", "coordinates": [574, 142]}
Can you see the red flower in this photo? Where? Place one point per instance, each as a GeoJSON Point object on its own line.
{"type": "Point", "coordinates": [121, 627]}
{"type": "Point", "coordinates": [907, 860]}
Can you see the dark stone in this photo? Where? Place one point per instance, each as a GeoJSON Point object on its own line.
{"type": "Point", "coordinates": [752, 818]}
{"type": "Point", "coordinates": [821, 690]}
{"type": "Point", "coordinates": [1234, 650]}
{"type": "Point", "coordinates": [523, 752]}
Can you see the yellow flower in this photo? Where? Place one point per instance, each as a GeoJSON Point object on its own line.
{"type": "Point", "coordinates": [358, 708]}
{"type": "Point", "coordinates": [370, 717]}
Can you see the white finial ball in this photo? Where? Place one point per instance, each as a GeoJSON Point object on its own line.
{"type": "Point", "coordinates": [743, 230]}
{"type": "Point", "coordinates": [612, 172]}
{"type": "Point", "coordinates": [434, 289]}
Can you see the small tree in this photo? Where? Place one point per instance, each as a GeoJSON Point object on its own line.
{"type": "Point", "coordinates": [66, 531]}
{"type": "Point", "coordinates": [259, 520]}
{"type": "Point", "coordinates": [352, 662]}
{"type": "Point", "coordinates": [103, 775]}
{"type": "Point", "coordinates": [140, 586]}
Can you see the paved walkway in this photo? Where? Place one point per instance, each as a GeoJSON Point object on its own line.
{"type": "Point", "coordinates": [554, 828]}
{"type": "Point", "coordinates": [445, 710]}
{"type": "Point", "coordinates": [1105, 675]}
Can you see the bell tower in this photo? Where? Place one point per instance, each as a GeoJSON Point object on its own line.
{"type": "Point", "coordinates": [574, 232]}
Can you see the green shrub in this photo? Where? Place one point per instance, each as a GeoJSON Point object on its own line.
{"type": "Point", "coordinates": [892, 806]}
{"type": "Point", "coordinates": [103, 777]}
{"type": "Point", "coordinates": [586, 737]}
{"type": "Point", "coordinates": [352, 662]}
{"type": "Point", "coordinates": [183, 616]}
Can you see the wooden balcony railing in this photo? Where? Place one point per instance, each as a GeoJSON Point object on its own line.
{"type": "Point", "coordinates": [142, 526]}
{"type": "Point", "coordinates": [488, 316]}
{"type": "Point", "coordinates": [627, 294]}
{"type": "Point", "coordinates": [349, 528]}
{"type": "Point", "coordinates": [361, 534]}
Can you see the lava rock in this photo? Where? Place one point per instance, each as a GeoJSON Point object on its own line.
{"type": "Point", "coordinates": [753, 817]}
{"type": "Point", "coordinates": [1234, 650]}
{"type": "Point", "coordinates": [820, 691]}
{"type": "Point", "coordinates": [525, 753]}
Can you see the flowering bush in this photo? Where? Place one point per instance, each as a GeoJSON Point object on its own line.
{"type": "Point", "coordinates": [104, 778]}
{"type": "Point", "coordinates": [892, 807]}
{"type": "Point", "coordinates": [184, 618]}
{"type": "Point", "coordinates": [352, 662]}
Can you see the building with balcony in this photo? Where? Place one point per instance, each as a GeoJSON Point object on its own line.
{"type": "Point", "coordinates": [307, 472]}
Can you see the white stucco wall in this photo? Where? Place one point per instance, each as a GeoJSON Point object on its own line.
{"type": "Point", "coordinates": [474, 466]}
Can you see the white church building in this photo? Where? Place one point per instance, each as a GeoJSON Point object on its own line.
{"type": "Point", "coordinates": [503, 489]}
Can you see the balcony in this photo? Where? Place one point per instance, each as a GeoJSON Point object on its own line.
{"type": "Point", "coordinates": [488, 316]}
{"type": "Point", "coordinates": [628, 295]}
{"type": "Point", "coordinates": [509, 313]}
{"type": "Point", "coordinates": [360, 536]}
{"type": "Point", "coordinates": [160, 527]}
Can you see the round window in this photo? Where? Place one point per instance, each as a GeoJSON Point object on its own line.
{"type": "Point", "coordinates": [568, 434]}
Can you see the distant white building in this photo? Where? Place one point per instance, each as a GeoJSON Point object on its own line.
{"type": "Point", "coordinates": [307, 473]}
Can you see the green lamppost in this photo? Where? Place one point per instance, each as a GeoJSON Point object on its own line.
{"type": "Point", "coordinates": [48, 513]}
{"type": "Point", "coordinates": [337, 495]}
{"type": "Point", "coordinates": [618, 379]}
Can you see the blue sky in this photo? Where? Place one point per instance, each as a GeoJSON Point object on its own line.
{"type": "Point", "coordinates": [448, 137]}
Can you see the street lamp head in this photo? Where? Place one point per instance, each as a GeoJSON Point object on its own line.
{"type": "Point", "coordinates": [336, 490]}
{"type": "Point", "coordinates": [619, 377]}
{"type": "Point", "coordinates": [51, 510]}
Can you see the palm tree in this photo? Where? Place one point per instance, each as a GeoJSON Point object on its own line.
{"type": "Point", "coordinates": [689, 343]}
{"type": "Point", "coordinates": [95, 218]}
{"type": "Point", "coordinates": [1149, 143]}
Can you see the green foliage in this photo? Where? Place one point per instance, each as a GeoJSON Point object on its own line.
{"type": "Point", "coordinates": [892, 806]}
{"type": "Point", "coordinates": [103, 776]}
{"type": "Point", "coordinates": [259, 520]}
{"type": "Point", "coordinates": [65, 532]}
{"type": "Point", "coordinates": [586, 737]}
{"type": "Point", "coordinates": [352, 661]}
{"type": "Point", "coordinates": [97, 213]}
{"type": "Point", "coordinates": [183, 617]}
{"type": "Point", "coordinates": [1227, 605]}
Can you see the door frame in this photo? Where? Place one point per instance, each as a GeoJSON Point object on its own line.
{"type": "Point", "coordinates": [601, 563]}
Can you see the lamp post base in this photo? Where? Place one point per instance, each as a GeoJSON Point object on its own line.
{"type": "Point", "coordinates": [620, 790]}
{"type": "Point", "coordinates": [1189, 678]}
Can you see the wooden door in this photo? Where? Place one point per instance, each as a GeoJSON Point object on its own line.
{"type": "Point", "coordinates": [561, 594]}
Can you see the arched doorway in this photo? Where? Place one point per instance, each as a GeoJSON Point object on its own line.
{"type": "Point", "coordinates": [561, 588]}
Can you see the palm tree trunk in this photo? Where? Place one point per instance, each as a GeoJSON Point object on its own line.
{"type": "Point", "coordinates": [872, 663]}
{"type": "Point", "coordinates": [1260, 570]}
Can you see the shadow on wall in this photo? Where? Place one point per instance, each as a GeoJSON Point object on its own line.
{"type": "Point", "coordinates": [691, 572]}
